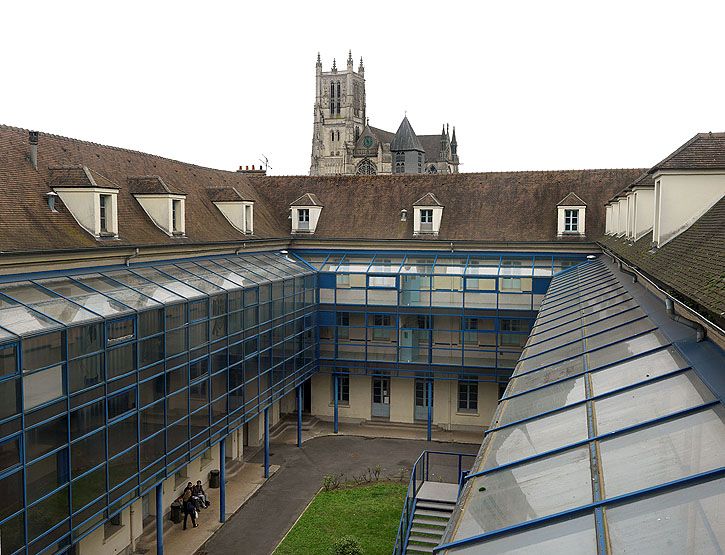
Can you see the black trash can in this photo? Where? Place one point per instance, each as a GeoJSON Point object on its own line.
{"type": "Point", "coordinates": [214, 479]}
{"type": "Point", "coordinates": [175, 515]}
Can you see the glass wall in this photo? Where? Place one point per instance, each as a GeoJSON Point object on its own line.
{"type": "Point", "coordinates": [443, 314]}
{"type": "Point", "coordinates": [113, 380]}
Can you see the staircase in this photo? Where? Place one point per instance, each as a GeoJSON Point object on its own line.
{"type": "Point", "coordinates": [430, 519]}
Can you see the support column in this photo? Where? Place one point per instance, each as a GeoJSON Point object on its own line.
{"type": "Point", "coordinates": [222, 480]}
{"type": "Point", "coordinates": [429, 385]}
{"type": "Point", "coordinates": [160, 519]}
{"type": "Point", "coordinates": [266, 443]}
{"type": "Point", "coordinates": [336, 394]}
{"type": "Point", "coordinates": [299, 416]}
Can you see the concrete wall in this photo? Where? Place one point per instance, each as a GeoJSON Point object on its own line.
{"type": "Point", "coordinates": [643, 212]}
{"type": "Point", "coordinates": [683, 198]}
{"type": "Point", "coordinates": [402, 402]}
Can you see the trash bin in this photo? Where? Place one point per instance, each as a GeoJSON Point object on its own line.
{"type": "Point", "coordinates": [175, 515]}
{"type": "Point", "coordinates": [214, 479]}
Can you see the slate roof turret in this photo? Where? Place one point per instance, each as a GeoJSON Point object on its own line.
{"type": "Point", "coordinates": [405, 138]}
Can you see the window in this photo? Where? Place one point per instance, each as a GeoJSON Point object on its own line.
{"type": "Point", "coordinates": [470, 331]}
{"type": "Point", "coordinates": [467, 396]}
{"type": "Point", "coordinates": [176, 216]}
{"type": "Point", "coordinates": [381, 321]}
{"type": "Point", "coordinates": [120, 330]}
{"type": "Point", "coordinates": [343, 388]}
{"type": "Point", "coordinates": [105, 213]}
{"type": "Point", "coordinates": [343, 322]}
{"type": "Point", "coordinates": [514, 325]}
{"type": "Point", "coordinates": [426, 216]}
{"type": "Point", "coordinates": [366, 167]}
{"type": "Point", "coordinates": [303, 215]}
{"type": "Point", "coordinates": [571, 221]}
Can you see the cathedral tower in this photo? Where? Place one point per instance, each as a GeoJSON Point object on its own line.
{"type": "Point", "coordinates": [339, 117]}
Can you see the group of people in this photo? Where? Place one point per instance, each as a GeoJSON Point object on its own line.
{"type": "Point", "coordinates": [192, 501]}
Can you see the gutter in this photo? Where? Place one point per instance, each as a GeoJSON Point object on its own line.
{"type": "Point", "coordinates": [670, 300]}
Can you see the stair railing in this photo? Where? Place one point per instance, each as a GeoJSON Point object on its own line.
{"type": "Point", "coordinates": [420, 473]}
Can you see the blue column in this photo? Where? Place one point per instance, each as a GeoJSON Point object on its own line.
{"type": "Point", "coordinates": [299, 416]}
{"type": "Point", "coordinates": [336, 402]}
{"type": "Point", "coordinates": [430, 409]}
{"type": "Point", "coordinates": [266, 442]}
{"type": "Point", "coordinates": [222, 480]}
{"type": "Point", "coordinates": [160, 519]}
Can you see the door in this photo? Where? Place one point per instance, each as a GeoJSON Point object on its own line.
{"type": "Point", "coordinates": [406, 345]}
{"type": "Point", "coordinates": [307, 396]}
{"type": "Point", "coordinates": [421, 399]}
{"type": "Point", "coordinates": [381, 397]}
{"type": "Point", "coordinates": [410, 290]}
{"type": "Point", "coordinates": [145, 506]}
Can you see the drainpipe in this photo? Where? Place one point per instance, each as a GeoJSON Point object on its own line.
{"type": "Point", "coordinates": [670, 307]}
{"type": "Point", "coordinates": [130, 528]}
{"type": "Point", "coordinates": [131, 256]}
{"type": "Point", "coordinates": [628, 272]}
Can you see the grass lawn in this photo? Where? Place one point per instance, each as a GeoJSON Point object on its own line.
{"type": "Point", "coordinates": [369, 513]}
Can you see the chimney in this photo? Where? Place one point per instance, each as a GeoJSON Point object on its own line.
{"type": "Point", "coordinates": [33, 140]}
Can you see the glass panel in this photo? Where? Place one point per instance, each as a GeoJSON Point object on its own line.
{"type": "Point", "coordinates": [144, 286]}
{"type": "Point", "coordinates": [46, 475]}
{"type": "Point", "coordinates": [542, 377]}
{"type": "Point", "coordinates": [527, 491]}
{"type": "Point", "coordinates": [178, 287]}
{"type": "Point", "coordinates": [571, 536]}
{"type": "Point", "coordinates": [542, 400]}
{"type": "Point", "coordinates": [41, 387]}
{"type": "Point", "coordinates": [115, 290]}
{"type": "Point", "coordinates": [664, 452]}
{"type": "Point", "coordinates": [626, 349]}
{"type": "Point", "coordinates": [48, 513]}
{"type": "Point", "coordinates": [687, 521]}
{"type": "Point", "coordinates": [535, 436]}
{"type": "Point", "coordinates": [85, 296]}
{"type": "Point", "coordinates": [651, 401]}
{"type": "Point", "coordinates": [637, 370]}
{"type": "Point", "coordinates": [21, 320]}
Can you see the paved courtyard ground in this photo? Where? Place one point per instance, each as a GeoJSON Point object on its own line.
{"type": "Point", "coordinates": [262, 522]}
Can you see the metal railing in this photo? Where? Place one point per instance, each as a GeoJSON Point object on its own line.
{"type": "Point", "coordinates": [421, 472]}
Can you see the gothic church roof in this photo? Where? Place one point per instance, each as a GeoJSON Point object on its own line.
{"type": "Point", "coordinates": [405, 138]}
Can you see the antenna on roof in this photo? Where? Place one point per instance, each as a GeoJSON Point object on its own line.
{"type": "Point", "coordinates": [265, 161]}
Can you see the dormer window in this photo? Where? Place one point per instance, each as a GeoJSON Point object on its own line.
{"type": "Point", "coordinates": [428, 212]}
{"type": "Point", "coordinates": [305, 213]}
{"type": "Point", "coordinates": [90, 198]}
{"type": "Point", "coordinates": [238, 211]}
{"type": "Point", "coordinates": [571, 221]}
{"type": "Point", "coordinates": [571, 216]}
{"type": "Point", "coordinates": [164, 204]}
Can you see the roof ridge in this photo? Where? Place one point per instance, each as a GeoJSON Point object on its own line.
{"type": "Point", "coordinates": [118, 148]}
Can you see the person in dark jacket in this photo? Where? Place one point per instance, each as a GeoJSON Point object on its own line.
{"type": "Point", "coordinates": [188, 506]}
{"type": "Point", "coordinates": [198, 491]}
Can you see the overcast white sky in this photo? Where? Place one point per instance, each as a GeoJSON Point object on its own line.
{"type": "Point", "coordinates": [528, 85]}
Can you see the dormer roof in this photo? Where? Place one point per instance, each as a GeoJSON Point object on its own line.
{"type": "Point", "coordinates": [405, 138]}
{"type": "Point", "coordinates": [78, 176]}
{"type": "Point", "coordinates": [151, 185]}
{"type": "Point", "coordinates": [571, 200]}
{"type": "Point", "coordinates": [428, 200]}
{"type": "Point", "coordinates": [225, 194]}
{"type": "Point", "coordinates": [705, 151]}
{"type": "Point", "coordinates": [308, 199]}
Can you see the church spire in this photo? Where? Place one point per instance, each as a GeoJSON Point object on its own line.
{"type": "Point", "coordinates": [319, 60]}
{"type": "Point", "coordinates": [454, 143]}
{"type": "Point", "coordinates": [361, 67]}
{"type": "Point", "coordinates": [334, 64]}
{"type": "Point", "coordinates": [349, 57]}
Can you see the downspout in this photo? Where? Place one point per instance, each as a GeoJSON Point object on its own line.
{"type": "Point", "coordinates": [670, 307]}
{"type": "Point", "coordinates": [131, 256]}
{"type": "Point", "coordinates": [130, 528]}
{"type": "Point", "coordinates": [628, 272]}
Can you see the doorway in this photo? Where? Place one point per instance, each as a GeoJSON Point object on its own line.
{"type": "Point", "coordinates": [307, 396]}
{"type": "Point", "coordinates": [381, 397]}
{"type": "Point", "coordinates": [421, 399]}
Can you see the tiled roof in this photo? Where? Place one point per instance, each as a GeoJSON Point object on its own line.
{"type": "Point", "coordinates": [487, 207]}
{"type": "Point", "coordinates": [150, 185]}
{"type": "Point", "coordinates": [571, 200]}
{"type": "Point", "coordinates": [691, 266]}
{"type": "Point", "coordinates": [432, 146]}
{"type": "Point", "coordinates": [428, 200]}
{"type": "Point", "coordinates": [382, 135]}
{"type": "Point", "coordinates": [705, 151]}
{"type": "Point", "coordinates": [308, 199]}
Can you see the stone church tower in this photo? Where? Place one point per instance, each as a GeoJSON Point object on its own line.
{"type": "Point", "coordinates": [343, 142]}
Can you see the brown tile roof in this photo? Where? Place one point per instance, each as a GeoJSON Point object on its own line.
{"type": "Point", "coordinates": [692, 265]}
{"type": "Point", "coordinates": [150, 185]}
{"type": "Point", "coordinates": [27, 224]}
{"type": "Point", "coordinates": [382, 135]}
{"type": "Point", "coordinates": [571, 200]}
{"type": "Point", "coordinates": [705, 151]}
{"type": "Point", "coordinates": [428, 200]}
{"type": "Point", "coordinates": [485, 207]}
{"type": "Point", "coordinates": [308, 199]}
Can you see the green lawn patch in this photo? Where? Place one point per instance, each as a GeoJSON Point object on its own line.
{"type": "Point", "coordinates": [369, 513]}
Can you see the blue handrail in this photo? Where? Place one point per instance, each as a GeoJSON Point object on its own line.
{"type": "Point", "coordinates": [421, 473]}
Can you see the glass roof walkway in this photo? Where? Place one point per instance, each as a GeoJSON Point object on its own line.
{"type": "Point", "coordinates": [606, 439]}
